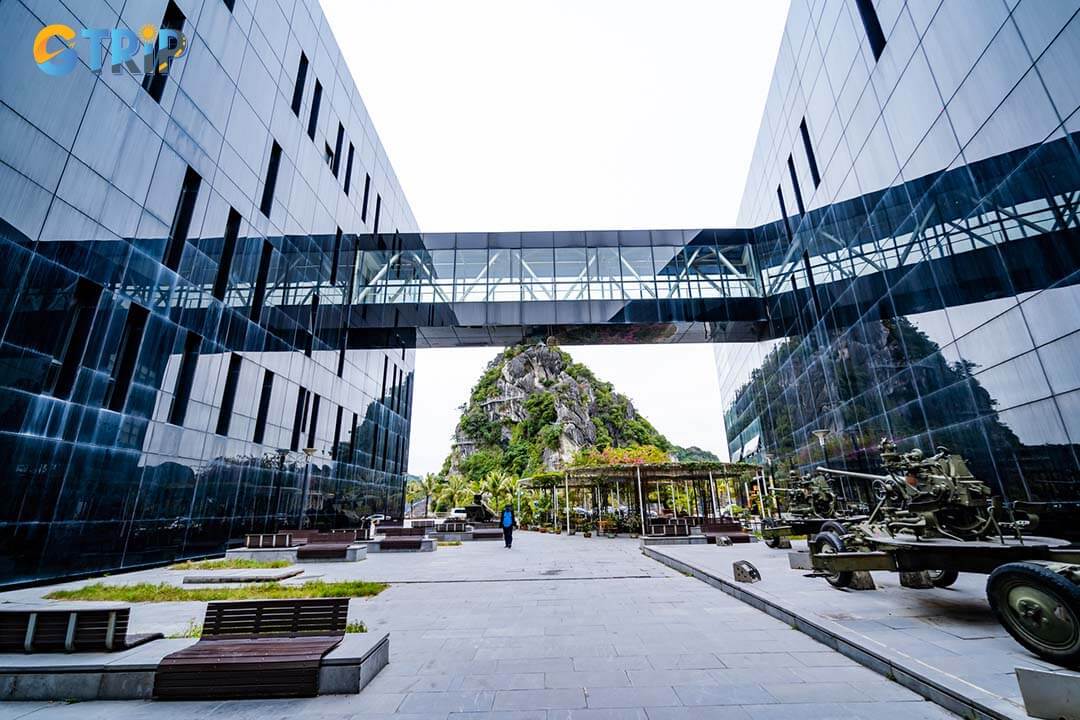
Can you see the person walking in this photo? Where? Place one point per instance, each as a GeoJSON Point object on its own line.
{"type": "Point", "coordinates": [508, 522]}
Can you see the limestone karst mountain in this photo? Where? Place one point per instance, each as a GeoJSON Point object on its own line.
{"type": "Point", "coordinates": [534, 409]}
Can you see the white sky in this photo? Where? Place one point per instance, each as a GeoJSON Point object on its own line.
{"type": "Point", "coordinates": [566, 114]}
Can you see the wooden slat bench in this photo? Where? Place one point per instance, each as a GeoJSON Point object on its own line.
{"type": "Point", "coordinates": [669, 529]}
{"type": "Point", "coordinates": [360, 533]}
{"type": "Point", "coordinates": [396, 532]}
{"type": "Point", "coordinates": [731, 529]}
{"type": "Point", "coordinates": [323, 551]}
{"type": "Point", "coordinates": [255, 649]}
{"type": "Point", "coordinates": [74, 630]}
{"type": "Point", "coordinates": [268, 540]}
{"type": "Point", "coordinates": [401, 543]}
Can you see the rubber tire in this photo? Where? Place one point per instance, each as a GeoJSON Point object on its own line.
{"type": "Point", "coordinates": [840, 579]}
{"type": "Point", "coordinates": [773, 542]}
{"type": "Point", "coordinates": [833, 527]}
{"type": "Point", "coordinates": [1049, 582]}
{"type": "Point", "coordinates": [943, 578]}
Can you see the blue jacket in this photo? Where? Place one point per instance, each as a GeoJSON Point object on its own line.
{"type": "Point", "coordinates": [507, 519]}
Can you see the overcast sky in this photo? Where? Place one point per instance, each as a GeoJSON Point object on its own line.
{"type": "Point", "coordinates": [566, 114]}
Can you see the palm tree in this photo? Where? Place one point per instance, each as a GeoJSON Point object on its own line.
{"type": "Point", "coordinates": [412, 493]}
{"type": "Point", "coordinates": [456, 491]}
{"type": "Point", "coordinates": [427, 487]}
{"type": "Point", "coordinates": [498, 489]}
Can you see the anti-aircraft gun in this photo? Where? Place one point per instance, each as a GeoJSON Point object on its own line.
{"type": "Point", "coordinates": [933, 497]}
{"type": "Point", "coordinates": [806, 497]}
{"type": "Point", "coordinates": [806, 505]}
{"type": "Point", "coordinates": [934, 520]}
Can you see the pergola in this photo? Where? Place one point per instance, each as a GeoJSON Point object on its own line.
{"type": "Point", "coordinates": [630, 485]}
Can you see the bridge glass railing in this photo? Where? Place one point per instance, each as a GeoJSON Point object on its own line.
{"type": "Point", "coordinates": [701, 270]}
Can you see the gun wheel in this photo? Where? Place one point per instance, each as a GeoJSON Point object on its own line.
{"type": "Point", "coordinates": [943, 578]}
{"type": "Point", "coordinates": [826, 543]}
{"type": "Point", "coordinates": [833, 527]}
{"type": "Point", "coordinates": [1039, 608]}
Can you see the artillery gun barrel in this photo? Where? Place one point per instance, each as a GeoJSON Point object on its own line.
{"type": "Point", "coordinates": [852, 474]}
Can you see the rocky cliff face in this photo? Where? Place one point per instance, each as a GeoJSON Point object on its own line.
{"type": "Point", "coordinates": [534, 408]}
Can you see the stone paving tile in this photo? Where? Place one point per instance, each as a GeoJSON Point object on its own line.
{"type": "Point", "coordinates": [622, 662]}
{"type": "Point", "coordinates": [883, 689]}
{"type": "Point", "coordinates": [543, 651]}
{"type": "Point", "coordinates": [820, 692]}
{"type": "Point", "coordinates": [501, 715]}
{"type": "Point", "coordinates": [15, 710]}
{"type": "Point", "coordinates": [539, 699]}
{"type": "Point", "coordinates": [827, 658]}
{"type": "Point", "coordinates": [577, 630]}
{"type": "Point", "coordinates": [848, 673]}
{"type": "Point", "coordinates": [750, 659]}
{"type": "Point", "coordinates": [372, 702]}
{"type": "Point", "coordinates": [385, 682]}
{"type": "Point", "coordinates": [598, 714]}
{"type": "Point", "coordinates": [788, 711]}
{"type": "Point", "coordinates": [531, 665]}
{"type": "Point", "coordinates": [694, 661]}
{"type": "Point", "coordinates": [501, 681]}
{"type": "Point", "coordinates": [670, 678]}
{"type": "Point", "coordinates": [698, 713]}
{"type": "Point", "coordinates": [589, 679]}
{"type": "Point", "coordinates": [632, 697]}
{"type": "Point", "coordinates": [435, 683]}
{"type": "Point", "coordinates": [446, 702]}
{"type": "Point", "coordinates": [922, 710]}
{"type": "Point", "coordinates": [754, 675]}
{"type": "Point", "coordinates": [723, 695]}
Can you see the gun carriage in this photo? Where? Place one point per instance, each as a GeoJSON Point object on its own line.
{"type": "Point", "coordinates": [934, 520]}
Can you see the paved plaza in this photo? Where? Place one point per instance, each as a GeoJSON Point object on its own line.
{"type": "Point", "coordinates": [559, 627]}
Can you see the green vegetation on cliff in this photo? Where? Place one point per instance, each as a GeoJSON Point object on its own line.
{"type": "Point", "coordinates": [535, 409]}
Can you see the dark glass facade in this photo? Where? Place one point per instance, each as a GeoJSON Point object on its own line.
{"type": "Point", "coordinates": [171, 293]}
{"type": "Point", "coordinates": [930, 284]}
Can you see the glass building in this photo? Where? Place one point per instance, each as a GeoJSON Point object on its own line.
{"type": "Point", "coordinates": [914, 192]}
{"type": "Point", "coordinates": [172, 370]}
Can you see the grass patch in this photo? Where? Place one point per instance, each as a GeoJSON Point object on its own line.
{"type": "Point", "coordinates": [449, 543]}
{"type": "Point", "coordinates": [355, 627]}
{"type": "Point", "coordinates": [193, 630]}
{"type": "Point", "coordinates": [232, 564]}
{"type": "Point", "coordinates": [164, 592]}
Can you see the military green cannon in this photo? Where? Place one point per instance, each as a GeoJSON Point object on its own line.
{"type": "Point", "coordinates": [934, 520]}
{"type": "Point", "coordinates": [806, 505]}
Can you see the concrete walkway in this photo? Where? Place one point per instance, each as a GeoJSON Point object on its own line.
{"type": "Point", "coordinates": [556, 628]}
